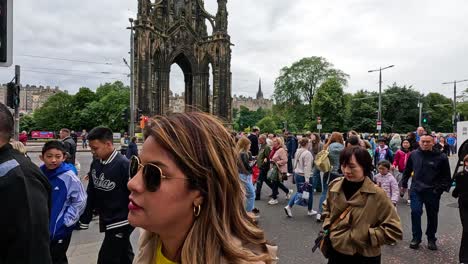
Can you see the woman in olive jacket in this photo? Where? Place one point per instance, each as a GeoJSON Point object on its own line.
{"type": "Point", "coordinates": [372, 220]}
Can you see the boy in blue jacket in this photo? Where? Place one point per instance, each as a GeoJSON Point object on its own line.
{"type": "Point", "coordinates": [68, 198]}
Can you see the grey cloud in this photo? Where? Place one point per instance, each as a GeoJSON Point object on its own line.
{"type": "Point", "coordinates": [424, 39]}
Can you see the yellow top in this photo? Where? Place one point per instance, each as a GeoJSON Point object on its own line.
{"type": "Point", "coordinates": [159, 258]}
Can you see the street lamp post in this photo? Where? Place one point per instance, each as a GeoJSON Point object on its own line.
{"type": "Point", "coordinates": [380, 94]}
{"type": "Point", "coordinates": [132, 86]}
{"type": "Point", "coordinates": [454, 118]}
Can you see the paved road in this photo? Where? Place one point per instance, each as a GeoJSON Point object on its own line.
{"type": "Point", "coordinates": [294, 236]}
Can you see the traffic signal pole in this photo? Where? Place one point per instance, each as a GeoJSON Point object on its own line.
{"type": "Point", "coordinates": [17, 84]}
{"type": "Point", "coordinates": [132, 82]}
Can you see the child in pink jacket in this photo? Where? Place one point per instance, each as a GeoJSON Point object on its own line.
{"type": "Point", "coordinates": [386, 181]}
{"type": "Point", "coordinates": [401, 157]}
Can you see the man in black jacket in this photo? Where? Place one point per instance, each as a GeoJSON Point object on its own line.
{"type": "Point", "coordinates": [431, 177]}
{"type": "Point", "coordinates": [70, 145]}
{"type": "Point", "coordinates": [108, 194]}
{"type": "Point", "coordinates": [25, 194]}
{"type": "Point", "coordinates": [253, 137]}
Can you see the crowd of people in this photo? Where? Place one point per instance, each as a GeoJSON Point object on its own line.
{"type": "Point", "coordinates": [362, 172]}
{"type": "Point", "coordinates": [192, 188]}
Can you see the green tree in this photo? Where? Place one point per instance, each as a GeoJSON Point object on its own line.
{"type": "Point", "coordinates": [440, 109]}
{"type": "Point", "coordinates": [106, 88]}
{"type": "Point", "coordinates": [298, 83]}
{"type": "Point", "coordinates": [86, 109]}
{"type": "Point", "coordinates": [362, 112]}
{"type": "Point", "coordinates": [248, 118]}
{"type": "Point", "coordinates": [400, 109]}
{"type": "Point", "coordinates": [462, 108]}
{"type": "Point", "coordinates": [81, 101]}
{"type": "Point", "coordinates": [267, 125]}
{"type": "Point", "coordinates": [27, 123]}
{"type": "Point", "coordinates": [55, 113]}
{"type": "Point", "coordinates": [330, 105]}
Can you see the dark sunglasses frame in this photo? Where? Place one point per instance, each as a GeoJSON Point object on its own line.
{"type": "Point", "coordinates": [152, 173]}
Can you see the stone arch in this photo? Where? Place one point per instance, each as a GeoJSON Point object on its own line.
{"type": "Point", "coordinates": [206, 80]}
{"type": "Point", "coordinates": [188, 68]}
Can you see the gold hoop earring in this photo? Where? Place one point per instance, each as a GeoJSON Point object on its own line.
{"type": "Point", "coordinates": [197, 210]}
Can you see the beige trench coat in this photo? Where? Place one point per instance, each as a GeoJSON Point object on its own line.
{"type": "Point", "coordinates": [371, 223]}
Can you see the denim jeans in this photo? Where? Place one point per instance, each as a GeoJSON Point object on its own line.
{"type": "Point", "coordinates": [324, 191]}
{"type": "Point", "coordinates": [249, 191]}
{"type": "Point", "coordinates": [300, 180]}
{"type": "Point", "coordinates": [317, 182]}
{"type": "Point", "coordinates": [431, 200]}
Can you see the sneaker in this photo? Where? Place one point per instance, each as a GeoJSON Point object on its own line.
{"type": "Point", "coordinates": [311, 212]}
{"type": "Point", "coordinates": [431, 245]}
{"type": "Point", "coordinates": [409, 202]}
{"type": "Point", "coordinates": [80, 226]}
{"type": "Point", "coordinates": [319, 218]}
{"type": "Point", "coordinates": [414, 244]}
{"type": "Point", "coordinates": [255, 211]}
{"type": "Point", "coordinates": [288, 196]}
{"type": "Point", "coordinates": [287, 210]}
{"type": "Point", "coordinates": [273, 201]}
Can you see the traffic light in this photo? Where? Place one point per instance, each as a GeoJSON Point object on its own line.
{"type": "Point", "coordinates": [126, 114]}
{"type": "Point", "coordinates": [6, 32]}
{"type": "Point", "coordinates": [12, 98]}
{"type": "Point", "coordinates": [425, 118]}
{"type": "Point", "coordinates": [139, 114]}
{"type": "Point", "coordinates": [143, 121]}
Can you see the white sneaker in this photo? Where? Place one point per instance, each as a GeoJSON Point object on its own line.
{"type": "Point", "coordinates": [311, 212]}
{"type": "Point", "coordinates": [287, 210]}
{"type": "Point", "coordinates": [273, 201]}
{"type": "Point", "coordinates": [319, 218]}
{"type": "Point", "coordinates": [288, 196]}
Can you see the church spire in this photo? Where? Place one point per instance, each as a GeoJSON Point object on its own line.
{"type": "Point", "coordinates": [259, 93]}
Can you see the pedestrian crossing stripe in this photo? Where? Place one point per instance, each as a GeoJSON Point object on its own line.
{"type": "Point", "coordinates": [7, 166]}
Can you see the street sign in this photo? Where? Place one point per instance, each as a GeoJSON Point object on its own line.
{"type": "Point", "coordinates": [319, 126]}
{"type": "Point", "coordinates": [379, 125]}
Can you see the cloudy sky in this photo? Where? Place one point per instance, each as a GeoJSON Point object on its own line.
{"type": "Point", "coordinates": [424, 39]}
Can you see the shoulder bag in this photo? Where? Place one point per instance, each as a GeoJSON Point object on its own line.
{"type": "Point", "coordinates": [323, 240]}
{"type": "Point", "coordinates": [322, 161]}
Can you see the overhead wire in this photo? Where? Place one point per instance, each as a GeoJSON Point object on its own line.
{"type": "Point", "coordinates": [77, 75]}
{"type": "Point", "coordinates": [56, 69]}
{"type": "Point", "coordinates": [70, 60]}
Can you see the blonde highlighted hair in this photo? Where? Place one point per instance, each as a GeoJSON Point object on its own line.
{"type": "Point", "coordinates": [205, 151]}
{"type": "Point", "coordinates": [243, 144]}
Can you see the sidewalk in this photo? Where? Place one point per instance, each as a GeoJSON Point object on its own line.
{"type": "Point", "coordinates": [85, 244]}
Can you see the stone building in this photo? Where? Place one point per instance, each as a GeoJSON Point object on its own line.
{"type": "Point", "coordinates": [182, 32]}
{"type": "Point", "coordinates": [31, 96]}
{"type": "Point", "coordinates": [252, 103]}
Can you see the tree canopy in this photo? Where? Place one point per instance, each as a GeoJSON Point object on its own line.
{"type": "Point", "coordinates": [84, 110]}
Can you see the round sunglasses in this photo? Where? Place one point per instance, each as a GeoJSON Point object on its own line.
{"type": "Point", "coordinates": [152, 173]}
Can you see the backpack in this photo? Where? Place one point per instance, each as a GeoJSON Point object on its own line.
{"type": "Point", "coordinates": [322, 161]}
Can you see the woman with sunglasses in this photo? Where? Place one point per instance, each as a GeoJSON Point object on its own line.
{"type": "Point", "coordinates": [187, 196]}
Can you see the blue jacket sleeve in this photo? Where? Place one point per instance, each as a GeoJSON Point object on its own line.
{"type": "Point", "coordinates": [76, 201]}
